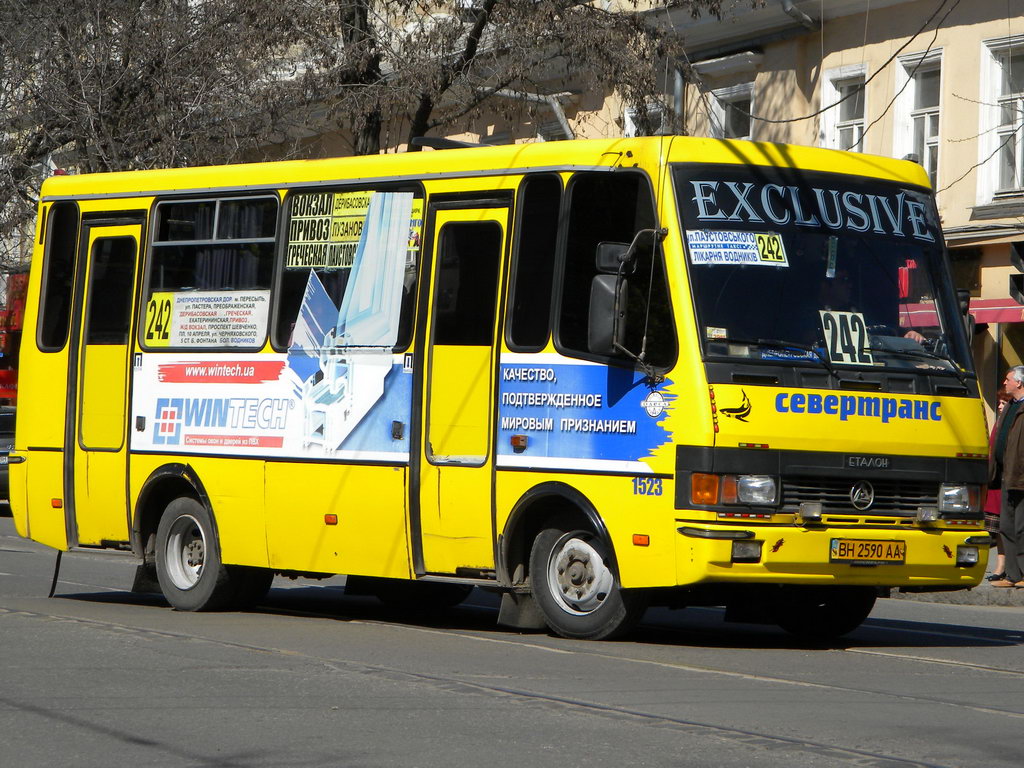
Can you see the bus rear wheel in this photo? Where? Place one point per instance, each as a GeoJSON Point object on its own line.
{"type": "Point", "coordinates": [823, 613]}
{"type": "Point", "coordinates": [575, 584]}
{"type": "Point", "coordinates": [188, 564]}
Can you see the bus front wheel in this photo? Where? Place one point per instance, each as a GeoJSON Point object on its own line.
{"type": "Point", "coordinates": [188, 564]}
{"type": "Point", "coordinates": [575, 584]}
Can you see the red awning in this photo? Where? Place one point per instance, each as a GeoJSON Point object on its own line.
{"type": "Point", "coordinates": [997, 311]}
{"type": "Point", "coordinates": [984, 310]}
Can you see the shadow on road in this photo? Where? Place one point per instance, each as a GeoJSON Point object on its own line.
{"type": "Point", "coordinates": [691, 627]}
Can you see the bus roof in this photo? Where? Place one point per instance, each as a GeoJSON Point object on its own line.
{"type": "Point", "coordinates": [580, 154]}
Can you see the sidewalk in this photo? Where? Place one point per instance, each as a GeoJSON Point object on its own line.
{"type": "Point", "coordinates": [983, 594]}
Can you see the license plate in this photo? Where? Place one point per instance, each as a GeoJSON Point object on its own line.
{"type": "Point", "coordinates": [867, 551]}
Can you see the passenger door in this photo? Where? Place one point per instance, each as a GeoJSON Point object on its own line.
{"type": "Point", "coordinates": [456, 461]}
{"type": "Point", "coordinates": [96, 437]}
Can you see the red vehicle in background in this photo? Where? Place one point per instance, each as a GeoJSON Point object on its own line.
{"type": "Point", "coordinates": [11, 319]}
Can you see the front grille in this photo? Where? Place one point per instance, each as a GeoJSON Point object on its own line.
{"type": "Point", "coordinates": [892, 497]}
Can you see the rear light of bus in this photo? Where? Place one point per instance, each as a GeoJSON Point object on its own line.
{"type": "Point", "coordinates": [755, 490]}
{"type": "Point", "coordinates": [959, 497]}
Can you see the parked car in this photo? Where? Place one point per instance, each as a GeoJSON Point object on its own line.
{"type": "Point", "coordinates": [6, 444]}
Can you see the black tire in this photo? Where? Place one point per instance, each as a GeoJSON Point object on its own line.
{"type": "Point", "coordinates": [575, 583]}
{"type": "Point", "coordinates": [823, 613]}
{"type": "Point", "coordinates": [188, 565]}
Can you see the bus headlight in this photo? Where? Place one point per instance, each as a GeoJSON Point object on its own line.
{"type": "Point", "coordinates": [749, 489]}
{"type": "Point", "coordinates": [959, 497]}
{"type": "Point", "coordinates": [752, 490]}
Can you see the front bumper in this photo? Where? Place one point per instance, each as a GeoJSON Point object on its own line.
{"type": "Point", "coordinates": [795, 554]}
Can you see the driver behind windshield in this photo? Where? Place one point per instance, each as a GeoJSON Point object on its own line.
{"type": "Point", "coordinates": [878, 305]}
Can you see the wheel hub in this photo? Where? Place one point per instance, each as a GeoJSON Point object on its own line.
{"type": "Point", "coordinates": [579, 575]}
{"type": "Point", "coordinates": [185, 552]}
{"type": "Point", "coordinates": [194, 553]}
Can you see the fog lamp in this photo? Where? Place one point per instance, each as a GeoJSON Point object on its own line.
{"type": "Point", "coordinates": [746, 551]}
{"type": "Point", "coordinates": [959, 497]}
{"type": "Point", "coordinates": [964, 555]}
{"type": "Point", "coordinates": [810, 511]}
{"type": "Point", "coordinates": [927, 514]}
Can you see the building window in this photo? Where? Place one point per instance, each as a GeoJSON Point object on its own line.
{"type": "Point", "coordinates": [1001, 149]}
{"type": "Point", "coordinates": [731, 110]}
{"type": "Point", "coordinates": [917, 110]}
{"type": "Point", "coordinates": [1009, 127]}
{"type": "Point", "coordinates": [850, 128]}
{"type": "Point", "coordinates": [843, 98]}
{"type": "Point", "coordinates": [926, 120]}
{"type": "Point", "coordinates": [633, 121]}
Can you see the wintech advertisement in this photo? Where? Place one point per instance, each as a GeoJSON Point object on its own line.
{"type": "Point", "coordinates": [338, 389]}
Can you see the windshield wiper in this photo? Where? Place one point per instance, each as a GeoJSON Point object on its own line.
{"type": "Point", "coordinates": [925, 354]}
{"type": "Point", "coordinates": [782, 344]}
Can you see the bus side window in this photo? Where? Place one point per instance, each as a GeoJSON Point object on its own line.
{"type": "Point", "coordinates": [211, 265]}
{"type": "Point", "coordinates": [534, 265]}
{"type": "Point", "coordinates": [350, 264]}
{"type": "Point", "coordinates": [108, 314]}
{"type": "Point", "coordinates": [467, 279]}
{"type": "Point", "coordinates": [613, 208]}
{"type": "Point", "coordinates": [58, 277]}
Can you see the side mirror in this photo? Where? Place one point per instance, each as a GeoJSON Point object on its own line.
{"type": "Point", "coordinates": [610, 256]}
{"type": "Point", "coordinates": [963, 298]}
{"type": "Point", "coordinates": [606, 324]}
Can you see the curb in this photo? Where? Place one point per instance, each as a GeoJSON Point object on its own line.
{"type": "Point", "coordinates": [983, 594]}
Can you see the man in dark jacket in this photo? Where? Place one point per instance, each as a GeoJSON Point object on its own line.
{"type": "Point", "coordinates": [1008, 464]}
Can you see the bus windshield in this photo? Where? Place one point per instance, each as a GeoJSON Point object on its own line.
{"type": "Point", "coordinates": [818, 268]}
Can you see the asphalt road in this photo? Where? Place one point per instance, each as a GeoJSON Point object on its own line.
{"type": "Point", "coordinates": [97, 676]}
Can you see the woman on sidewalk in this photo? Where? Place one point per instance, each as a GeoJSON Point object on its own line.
{"type": "Point", "coordinates": [994, 501]}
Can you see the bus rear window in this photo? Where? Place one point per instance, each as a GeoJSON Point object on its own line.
{"type": "Point", "coordinates": [59, 277]}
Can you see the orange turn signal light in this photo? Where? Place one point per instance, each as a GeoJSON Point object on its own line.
{"type": "Point", "coordinates": [641, 540]}
{"type": "Point", "coordinates": [330, 519]}
{"type": "Point", "coordinates": [703, 488]}
{"type": "Point", "coordinates": [57, 503]}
